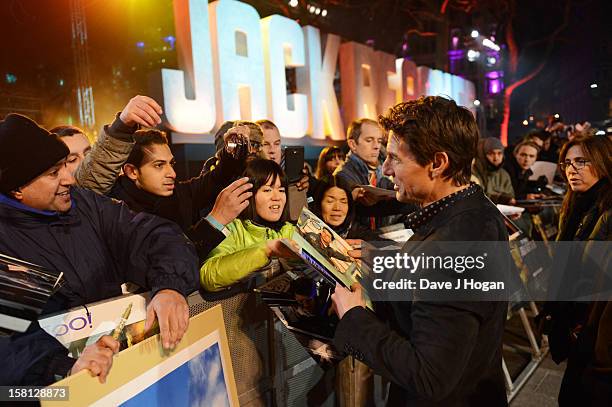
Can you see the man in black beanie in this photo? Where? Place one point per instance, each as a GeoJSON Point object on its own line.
{"type": "Point", "coordinates": [96, 242]}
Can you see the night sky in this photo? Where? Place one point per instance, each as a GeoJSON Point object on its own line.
{"type": "Point", "coordinates": [37, 49]}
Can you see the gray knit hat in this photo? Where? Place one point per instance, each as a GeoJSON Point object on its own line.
{"type": "Point", "coordinates": [492, 143]}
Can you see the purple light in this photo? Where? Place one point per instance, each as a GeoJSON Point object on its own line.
{"type": "Point", "coordinates": [494, 86]}
{"type": "Point", "coordinates": [456, 54]}
{"type": "Point", "coordinates": [455, 42]}
{"type": "Point", "coordinates": [170, 40]}
{"type": "Point", "coordinates": [494, 75]}
{"type": "Point", "coordinates": [140, 44]}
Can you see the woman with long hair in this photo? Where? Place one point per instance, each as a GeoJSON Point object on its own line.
{"type": "Point", "coordinates": [330, 158]}
{"type": "Point", "coordinates": [581, 331]}
{"type": "Point", "coordinates": [255, 236]}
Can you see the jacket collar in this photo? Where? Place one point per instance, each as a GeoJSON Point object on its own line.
{"type": "Point", "coordinates": [17, 212]}
{"type": "Point", "coordinates": [427, 219]}
{"type": "Point", "coordinates": [144, 200]}
{"type": "Point", "coordinates": [362, 167]}
{"type": "Point", "coordinates": [12, 203]}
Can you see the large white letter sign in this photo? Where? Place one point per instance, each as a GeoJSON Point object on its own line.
{"type": "Point", "coordinates": [358, 87]}
{"type": "Point", "coordinates": [317, 80]}
{"type": "Point", "coordinates": [463, 92]}
{"type": "Point", "coordinates": [388, 81]}
{"type": "Point", "coordinates": [411, 90]}
{"type": "Point", "coordinates": [423, 80]}
{"type": "Point", "coordinates": [238, 61]}
{"type": "Point", "coordinates": [283, 43]}
{"type": "Point", "coordinates": [195, 114]}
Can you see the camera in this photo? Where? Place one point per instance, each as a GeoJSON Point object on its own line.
{"type": "Point", "coordinates": [237, 145]}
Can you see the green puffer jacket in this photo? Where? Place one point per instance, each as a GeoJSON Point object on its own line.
{"type": "Point", "coordinates": [241, 253]}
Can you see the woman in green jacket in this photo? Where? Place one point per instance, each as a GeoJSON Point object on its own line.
{"type": "Point", "coordinates": [255, 237]}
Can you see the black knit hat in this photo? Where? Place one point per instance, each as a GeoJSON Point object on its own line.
{"type": "Point", "coordinates": [26, 151]}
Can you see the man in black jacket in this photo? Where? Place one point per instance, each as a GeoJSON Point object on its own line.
{"type": "Point", "coordinates": [149, 185]}
{"type": "Point", "coordinates": [97, 243]}
{"type": "Point", "coordinates": [435, 353]}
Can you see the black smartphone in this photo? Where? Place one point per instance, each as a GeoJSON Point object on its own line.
{"type": "Point", "coordinates": [294, 162]}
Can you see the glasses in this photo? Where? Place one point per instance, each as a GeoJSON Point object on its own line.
{"type": "Point", "coordinates": [578, 165]}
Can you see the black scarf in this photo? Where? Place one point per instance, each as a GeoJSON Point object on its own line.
{"type": "Point", "coordinates": [139, 200]}
{"type": "Point", "coordinates": [583, 203]}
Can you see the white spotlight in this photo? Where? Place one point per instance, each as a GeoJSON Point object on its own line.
{"type": "Point", "coordinates": [490, 44]}
{"type": "Point", "coordinates": [525, 122]}
{"type": "Point", "coordinates": [491, 60]}
{"type": "Point", "coordinates": [600, 133]}
{"type": "Point", "coordinates": [293, 3]}
{"type": "Point", "coordinates": [317, 11]}
{"type": "Point", "coordinates": [476, 102]}
{"type": "Point", "coordinates": [311, 9]}
{"type": "Point", "coordinates": [473, 55]}
{"type": "Point", "coordinates": [556, 115]}
{"type": "Point", "coordinates": [324, 13]}
{"type": "Point", "coordinates": [593, 85]}
{"type": "Point", "coordinates": [475, 34]}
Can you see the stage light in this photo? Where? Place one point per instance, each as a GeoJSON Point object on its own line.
{"type": "Point", "coordinates": [600, 133]}
{"type": "Point", "coordinates": [311, 9]}
{"type": "Point", "coordinates": [475, 34]}
{"type": "Point", "coordinates": [491, 60]}
{"type": "Point", "coordinates": [317, 11]}
{"type": "Point", "coordinates": [557, 115]}
{"type": "Point", "coordinates": [525, 122]}
{"type": "Point", "coordinates": [490, 44]}
{"type": "Point", "coordinates": [593, 85]}
{"type": "Point", "coordinates": [293, 3]}
{"type": "Point", "coordinates": [530, 118]}
{"type": "Point", "coordinates": [472, 55]}
{"type": "Point", "coordinates": [324, 13]}
{"type": "Point", "coordinates": [476, 102]}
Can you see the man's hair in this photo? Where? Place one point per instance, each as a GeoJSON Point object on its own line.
{"type": "Point", "coordinates": [266, 124]}
{"type": "Point", "coordinates": [354, 129]}
{"type": "Point", "coordinates": [435, 124]}
{"type": "Point", "coordinates": [255, 131]}
{"type": "Point", "coordinates": [540, 134]}
{"type": "Point", "coordinates": [66, 131]}
{"type": "Point", "coordinates": [144, 139]}
{"type": "Point", "coordinates": [525, 143]}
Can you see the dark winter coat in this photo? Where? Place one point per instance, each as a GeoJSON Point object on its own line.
{"type": "Point", "coordinates": [98, 244]}
{"type": "Point", "coordinates": [437, 353]}
{"type": "Point", "coordinates": [184, 206]}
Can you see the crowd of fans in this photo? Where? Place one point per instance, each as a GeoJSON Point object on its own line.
{"type": "Point", "coordinates": [214, 231]}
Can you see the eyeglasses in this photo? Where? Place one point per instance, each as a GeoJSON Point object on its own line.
{"type": "Point", "coordinates": [578, 165]}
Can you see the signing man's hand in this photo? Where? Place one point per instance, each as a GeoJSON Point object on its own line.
{"type": "Point", "coordinates": [172, 313]}
{"type": "Point", "coordinates": [345, 300]}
